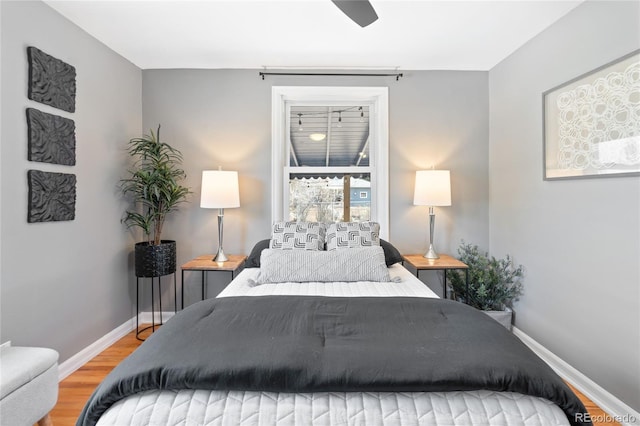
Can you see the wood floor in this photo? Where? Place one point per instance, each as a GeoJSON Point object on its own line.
{"type": "Point", "coordinates": [76, 389]}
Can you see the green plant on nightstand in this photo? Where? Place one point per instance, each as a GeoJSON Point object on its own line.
{"type": "Point", "coordinates": [494, 284]}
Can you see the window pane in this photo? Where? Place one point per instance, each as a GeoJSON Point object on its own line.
{"type": "Point", "coordinates": [329, 136]}
{"type": "Point", "coordinates": [316, 198]}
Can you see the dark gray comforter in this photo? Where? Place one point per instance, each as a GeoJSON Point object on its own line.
{"type": "Point", "coordinates": [313, 344]}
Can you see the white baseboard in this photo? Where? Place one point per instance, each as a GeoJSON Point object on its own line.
{"type": "Point", "coordinates": [145, 317]}
{"type": "Point", "coordinates": [81, 358]}
{"type": "Point", "coordinates": [617, 409]}
{"type": "Point", "coordinates": [85, 355]}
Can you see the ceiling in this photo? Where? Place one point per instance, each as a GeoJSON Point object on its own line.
{"type": "Point", "coordinates": [409, 35]}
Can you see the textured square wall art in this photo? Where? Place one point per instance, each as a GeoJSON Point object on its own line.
{"type": "Point", "coordinates": [52, 139]}
{"type": "Point", "coordinates": [51, 81]}
{"type": "Point", "coordinates": [52, 196]}
{"type": "Point", "coordinates": [592, 123]}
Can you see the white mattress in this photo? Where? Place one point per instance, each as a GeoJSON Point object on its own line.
{"type": "Point", "coordinates": [408, 286]}
{"type": "Point", "coordinates": [204, 407]}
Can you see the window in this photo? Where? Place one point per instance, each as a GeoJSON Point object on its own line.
{"type": "Point", "coordinates": [329, 147]}
{"type": "Point", "coordinates": [328, 199]}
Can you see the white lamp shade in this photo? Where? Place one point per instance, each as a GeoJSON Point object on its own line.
{"type": "Point", "coordinates": [219, 189]}
{"type": "Point", "coordinates": [433, 188]}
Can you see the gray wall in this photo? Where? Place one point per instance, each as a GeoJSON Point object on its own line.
{"type": "Point", "coordinates": [223, 118]}
{"type": "Point", "coordinates": [578, 239]}
{"type": "Point", "coordinates": [66, 284]}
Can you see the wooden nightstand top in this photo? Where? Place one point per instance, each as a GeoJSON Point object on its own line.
{"type": "Point", "coordinates": [206, 263]}
{"type": "Point", "coordinates": [445, 261]}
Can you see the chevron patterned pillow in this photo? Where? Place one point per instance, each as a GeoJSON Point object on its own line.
{"type": "Point", "coordinates": [297, 236]}
{"type": "Point", "coordinates": [353, 234]}
{"type": "Point", "coordinates": [357, 264]}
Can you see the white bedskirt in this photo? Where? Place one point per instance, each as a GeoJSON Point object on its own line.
{"type": "Point", "coordinates": [236, 408]}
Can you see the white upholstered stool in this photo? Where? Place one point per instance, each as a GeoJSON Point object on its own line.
{"type": "Point", "coordinates": [28, 385]}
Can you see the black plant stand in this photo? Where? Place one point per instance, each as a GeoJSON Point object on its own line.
{"type": "Point", "coordinates": [154, 261]}
{"type": "Point", "coordinates": [153, 317]}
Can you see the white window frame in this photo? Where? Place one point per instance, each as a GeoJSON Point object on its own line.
{"type": "Point", "coordinates": [282, 97]}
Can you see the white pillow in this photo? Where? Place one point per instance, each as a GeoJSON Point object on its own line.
{"type": "Point", "coordinates": [297, 236]}
{"type": "Point", "coordinates": [357, 264]}
{"type": "Point", "coordinates": [353, 234]}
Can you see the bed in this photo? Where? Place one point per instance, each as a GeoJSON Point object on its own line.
{"type": "Point", "coordinates": [359, 352]}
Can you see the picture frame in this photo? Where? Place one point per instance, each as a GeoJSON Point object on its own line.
{"type": "Point", "coordinates": [591, 124]}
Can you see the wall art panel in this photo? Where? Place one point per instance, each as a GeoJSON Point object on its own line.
{"type": "Point", "coordinates": [52, 139]}
{"type": "Point", "coordinates": [52, 196]}
{"type": "Point", "coordinates": [51, 81]}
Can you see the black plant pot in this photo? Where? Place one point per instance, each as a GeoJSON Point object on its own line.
{"type": "Point", "coordinates": [155, 260]}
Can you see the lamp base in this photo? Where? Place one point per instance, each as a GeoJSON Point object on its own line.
{"type": "Point", "coordinates": [431, 253]}
{"type": "Point", "coordinates": [220, 256]}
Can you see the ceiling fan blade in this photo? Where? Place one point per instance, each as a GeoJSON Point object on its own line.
{"type": "Point", "coordinates": [360, 11]}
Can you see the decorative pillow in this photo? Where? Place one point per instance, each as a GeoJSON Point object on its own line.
{"type": "Point", "coordinates": [358, 264]}
{"type": "Point", "coordinates": [253, 261]}
{"type": "Point", "coordinates": [391, 254]}
{"type": "Point", "coordinates": [353, 234]}
{"type": "Point", "coordinates": [297, 236]}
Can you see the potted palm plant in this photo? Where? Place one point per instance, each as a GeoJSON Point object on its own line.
{"type": "Point", "coordinates": [153, 183]}
{"type": "Point", "coordinates": [494, 284]}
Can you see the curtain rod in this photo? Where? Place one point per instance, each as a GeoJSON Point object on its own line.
{"type": "Point", "coordinates": [396, 75]}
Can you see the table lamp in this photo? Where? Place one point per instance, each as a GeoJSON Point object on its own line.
{"type": "Point", "coordinates": [219, 191]}
{"type": "Point", "coordinates": [433, 188]}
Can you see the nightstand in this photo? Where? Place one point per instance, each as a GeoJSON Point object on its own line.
{"type": "Point", "coordinates": [206, 263]}
{"type": "Point", "coordinates": [445, 262]}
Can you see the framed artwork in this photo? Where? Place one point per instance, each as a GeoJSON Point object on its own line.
{"type": "Point", "coordinates": [52, 196]}
{"type": "Point", "coordinates": [52, 139]}
{"type": "Point", "coordinates": [592, 123]}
